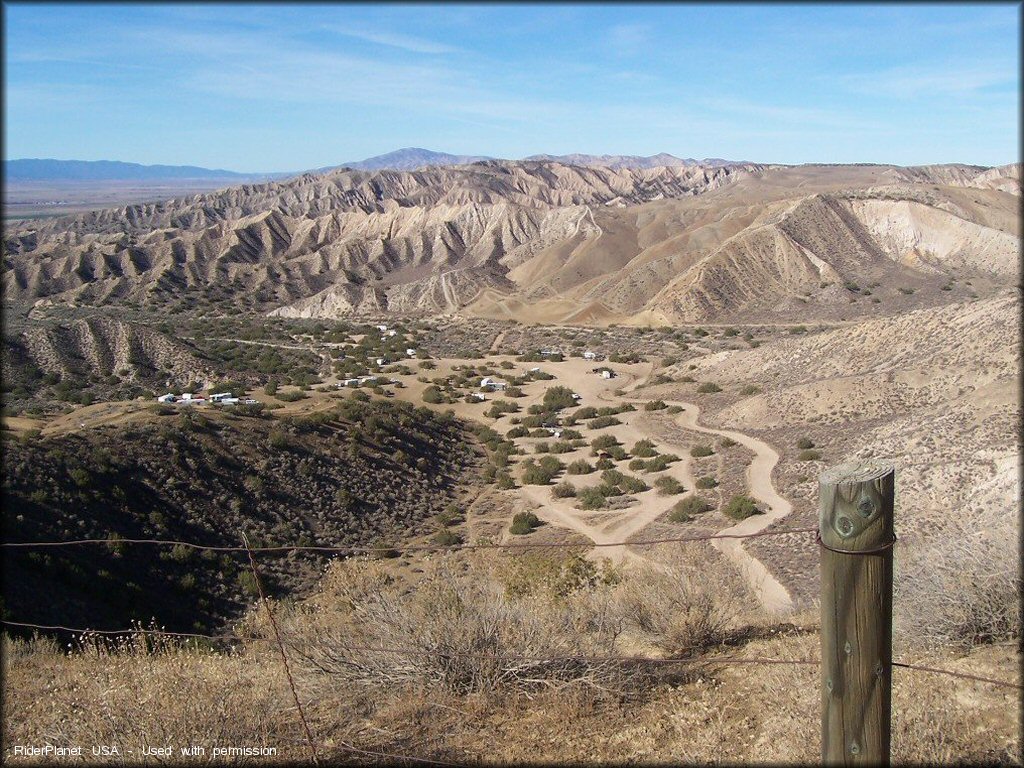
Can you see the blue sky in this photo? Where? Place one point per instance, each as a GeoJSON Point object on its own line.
{"type": "Point", "coordinates": [286, 88]}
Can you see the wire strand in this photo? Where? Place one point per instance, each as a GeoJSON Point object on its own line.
{"type": "Point", "coordinates": [408, 547]}
{"type": "Point", "coordinates": [280, 646]}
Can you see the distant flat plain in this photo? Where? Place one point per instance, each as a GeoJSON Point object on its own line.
{"type": "Point", "coordinates": [35, 199]}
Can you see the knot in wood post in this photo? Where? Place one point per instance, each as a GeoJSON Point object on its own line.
{"type": "Point", "coordinates": [856, 535]}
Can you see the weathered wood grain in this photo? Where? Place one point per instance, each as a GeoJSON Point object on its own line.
{"type": "Point", "coordinates": [856, 613]}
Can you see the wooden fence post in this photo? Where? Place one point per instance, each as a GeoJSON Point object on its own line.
{"type": "Point", "coordinates": [856, 539]}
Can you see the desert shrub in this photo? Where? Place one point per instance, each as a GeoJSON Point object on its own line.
{"type": "Point", "coordinates": [515, 432]}
{"type": "Point", "coordinates": [741, 507]}
{"type": "Point", "coordinates": [961, 586]}
{"type": "Point", "coordinates": [617, 452]}
{"type": "Point", "coordinates": [674, 409]}
{"type": "Point", "coordinates": [542, 447]}
{"type": "Point", "coordinates": [700, 451]}
{"type": "Point", "coordinates": [687, 508]}
{"type": "Point", "coordinates": [750, 389]}
{"type": "Point", "coordinates": [433, 395]}
{"type": "Point", "coordinates": [279, 440]}
{"type": "Point", "coordinates": [643, 448]}
{"type": "Point", "coordinates": [580, 467]}
{"type": "Point", "coordinates": [524, 523]}
{"type": "Point", "coordinates": [668, 486]}
{"type": "Point", "coordinates": [631, 484]}
{"type": "Point", "coordinates": [604, 463]}
{"type": "Point", "coordinates": [557, 398]}
{"type": "Point", "coordinates": [612, 476]}
{"type": "Point", "coordinates": [603, 442]}
{"type": "Point", "coordinates": [591, 498]}
{"type": "Point", "coordinates": [291, 397]}
{"type": "Point", "coordinates": [601, 422]}
{"type": "Point", "coordinates": [727, 442]}
{"type": "Point", "coordinates": [587, 412]}
{"type": "Point", "coordinates": [809, 455]}
{"type": "Point", "coordinates": [637, 464]}
{"type": "Point", "coordinates": [447, 538]}
{"type": "Point", "coordinates": [700, 599]}
{"type": "Point", "coordinates": [541, 473]}
{"type": "Point", "coordinates": [655, 405]}
{"type": "Point", "coordinates": [501, 407]}
{"type": "Point", "coordinates": [709, 386]}
{"type": "Point", "coordinates": [804, 443]}
{"type": "Point", "coordinates": [564, 490]}
{"type": "Point", "coordinates": [708, 481]}
{"type": "Point", "coordinates": [464, 633]}
{"type": "Point", "coordinates": [561, 446]}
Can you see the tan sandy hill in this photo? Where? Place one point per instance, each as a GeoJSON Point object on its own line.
{"type": "Point", "coordinates": [538, 241]}
{"type": "Point", "coordinates": [935, 391]}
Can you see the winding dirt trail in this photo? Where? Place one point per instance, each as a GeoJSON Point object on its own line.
{"type": "Point", "coordinates": [773, 596]}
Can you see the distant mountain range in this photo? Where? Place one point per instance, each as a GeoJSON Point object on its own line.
{"type": "Point", "coordinates": [411, 158]}
{"type": "Point", "coordinates": [407, 159]}
{"type": "Point", "coordinates": [112, 170]}
{"type": "Point", "coordinates": [661, 160]}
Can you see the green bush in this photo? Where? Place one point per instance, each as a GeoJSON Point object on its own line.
{"type": "Point", "coordinates": [804, 443]}
{"type": "Point", "coordinates": [447, 538]}
{"type": "Point", "coordinates": [684, 510]}
{"type": "Point", "coordinates": [591, 498]}
{"type": "Point", "coordinates": [580, 467]}
{"type": "Point", "coordinates": [644, 448]}
{"type": "Point", "coordinates": [524, 523]}
{"type": "Point", "coordinates": [708, 481]}
{"type": "Point", "coordinates": [655, 405]}
{"type": "Point", "coordinates": [632, 484]}
{"type": "Point", "coordinates": [557, 398]}
{"type": "Point", "coordinates": [603, 421]}
{"type": "Point", "coordinates": [700, 451]}
{"type": "Point", "coordinates": [709, 386]}
{"type": "Point", "coordinates": [564, 490]}
{"type": "Point", "coordinates": [750, 389]}
{"type": "Point", "coordinates": [741, 507]}
{"type": "Point", "coordinates": [809, 455]}
{"type": "Point", "coordinates": [668, 486]}
{"type": "Point", "coordinates": [612, 476]}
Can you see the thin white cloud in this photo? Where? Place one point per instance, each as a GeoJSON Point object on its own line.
{"type": "Point", "coordinates": [393, 40]}
{"type": "Point", "coordinates": [911, 82]}
{"type": "Point", "coordinates": [627, 39]}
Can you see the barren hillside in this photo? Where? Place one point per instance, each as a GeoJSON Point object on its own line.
{"type": "Point", "coordinates": [542, 241]}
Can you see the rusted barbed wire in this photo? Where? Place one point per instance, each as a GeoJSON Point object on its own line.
{"type": "Point", "coordinates": [963, 675]}
{"type": "Point", "coordinates": [469, 654]}
{"type": "Point", "coordinates": [405, 547]}
{"type": "Point", "coordinates": [280, 646]}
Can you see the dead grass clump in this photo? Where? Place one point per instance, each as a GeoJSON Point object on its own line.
{"type": "Point", "coordinates": [455, 631]}
{"type": "Point", "coordinates": [690, 606]}
{"type": "Point", "coordinates": [964, 587]}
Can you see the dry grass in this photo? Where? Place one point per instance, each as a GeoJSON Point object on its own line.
{"type": "Point", "coordinates": [429, 703]}
{"type": "Point", "coordinates": [964, 586]}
